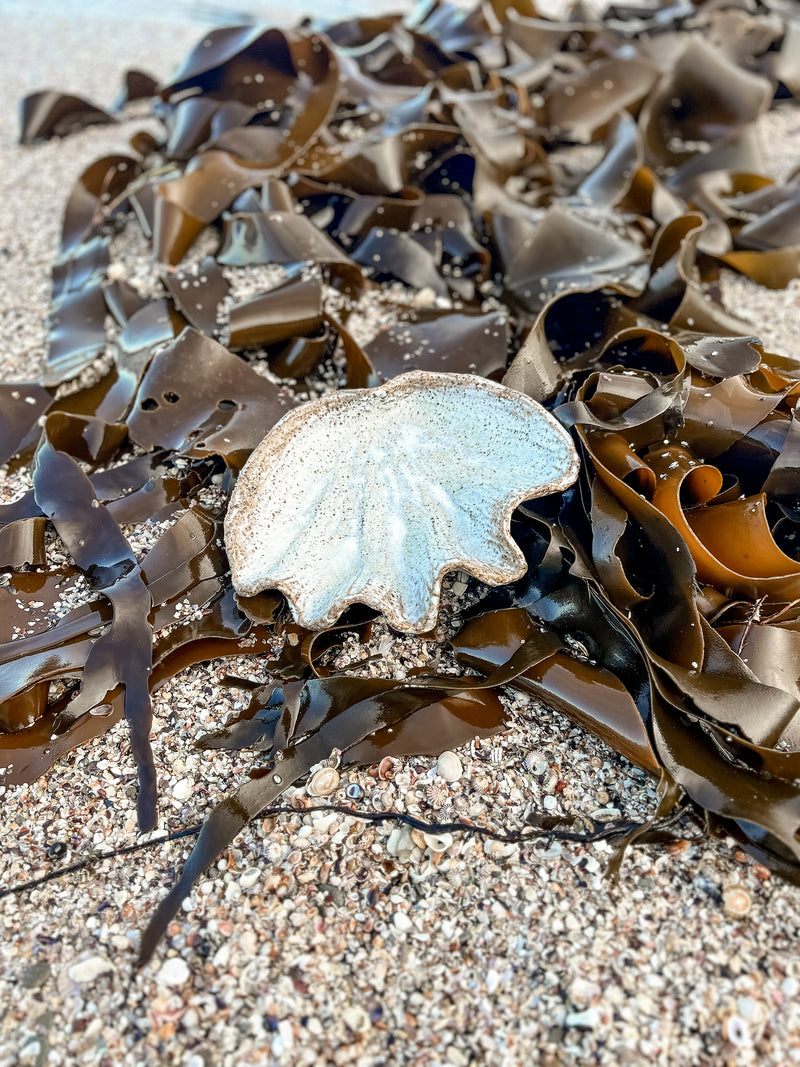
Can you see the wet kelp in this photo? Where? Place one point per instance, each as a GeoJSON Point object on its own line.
{"type": "Point", "coordinates": [661, 606]}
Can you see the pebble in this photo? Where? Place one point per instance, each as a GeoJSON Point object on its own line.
{"type": "Point", "coordinates": [85, 971]}
{"type": "Point", "coordinates": [790, 986]}
{"type": "Point", "coordinates": [426, 297]}
{"type": "Point", "coordinates": [449, 767]}
{"type": "Point", "coordinates": [37, 974]}
{"type": "Point", "coordinates": [402, 922]}
{"type": "Point", "coordinates": [286, 1034]}
{"type": "Point", "coordinates": [750, 1009]}
{"type": "Point", "coordinates": [174, 972]}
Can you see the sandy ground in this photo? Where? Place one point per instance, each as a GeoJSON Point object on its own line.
{"type": "Point", "coordinates": [323, 939]}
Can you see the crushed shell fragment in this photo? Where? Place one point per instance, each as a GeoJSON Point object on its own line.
{"type": "Point", "coordinates": [438, 842]}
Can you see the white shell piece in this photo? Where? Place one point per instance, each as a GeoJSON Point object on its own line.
{"type": "Point", "coordinates": [371, 495]}
{"type": "Point", "coordinates": [323, 783]}
{"type": "Point", "coordinates": [449, 766]}
{"type": "Point", "coordinates": [438, 842]}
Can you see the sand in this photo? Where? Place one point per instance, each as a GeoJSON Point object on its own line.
{"type": "Point", "coordinates": [324, 939]}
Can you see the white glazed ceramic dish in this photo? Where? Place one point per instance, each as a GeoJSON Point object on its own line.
{"type": "Point", "coordinates": [371, 495]}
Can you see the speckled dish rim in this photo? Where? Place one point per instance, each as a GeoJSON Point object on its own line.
{"type": "Point", "coordinates": [299, 418]}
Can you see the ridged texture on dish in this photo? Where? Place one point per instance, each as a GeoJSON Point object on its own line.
{"type": "Point", "coordinates": [396, 486]}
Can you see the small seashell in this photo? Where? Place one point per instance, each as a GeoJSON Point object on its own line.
{"type": "Point", "coordinates": [535, 762]}
{"type": "Point", "coordinates": [353, 791]}
{"type": "Point", "coordinates": [323, 782]}
{"type": "Point", "coordinates": [388, 768]}
{"type": "Point", "coordinates": [449, 767]}
{"type": "Point", "coordinates": [438, 842]}
{"type": "Point", "coordinates": [402, 780]}
{"type": "Point", "coordinates": [356, 1019]}
{"type": "Point", "coordinates": [676, 847]}
{"type": "Point", "coordinates": [418, 838]}
{"type": "Point", "coordinates": [602, 814]}
{"type": "Point", "coordinates": [736, 900]}
{"type": "Point", "coordinates": [437, 794]}
{"type": "Point", "coordinates": [481, 784]}
{"type": "Point", "coordinates": [735, 1030]}
{"type": "Point", "coordinates": [379, 800]}
{"type": "Point", "coordinates": [249, 877]}
{"type": "Point", "coordinates": [275, 852]}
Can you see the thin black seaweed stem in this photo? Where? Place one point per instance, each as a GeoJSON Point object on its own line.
{"type": "Point", "coordinates": [605, 832]}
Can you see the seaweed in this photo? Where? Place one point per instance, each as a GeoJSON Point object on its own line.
{"type": "Point", "coordinates": [661, 607]}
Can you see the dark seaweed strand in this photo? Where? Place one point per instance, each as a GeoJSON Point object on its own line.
{"type": "Point", "coordinates": [605, 832]}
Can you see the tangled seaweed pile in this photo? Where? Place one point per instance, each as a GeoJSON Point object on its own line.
{"type": "Point", "coordinates": [661, 608]}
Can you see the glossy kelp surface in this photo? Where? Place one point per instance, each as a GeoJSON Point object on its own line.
{"type": "Point", "coordinates": [661, 605]}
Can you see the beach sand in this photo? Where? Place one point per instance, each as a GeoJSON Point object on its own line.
{"type": "Point", "coordinates": [325, 939]}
